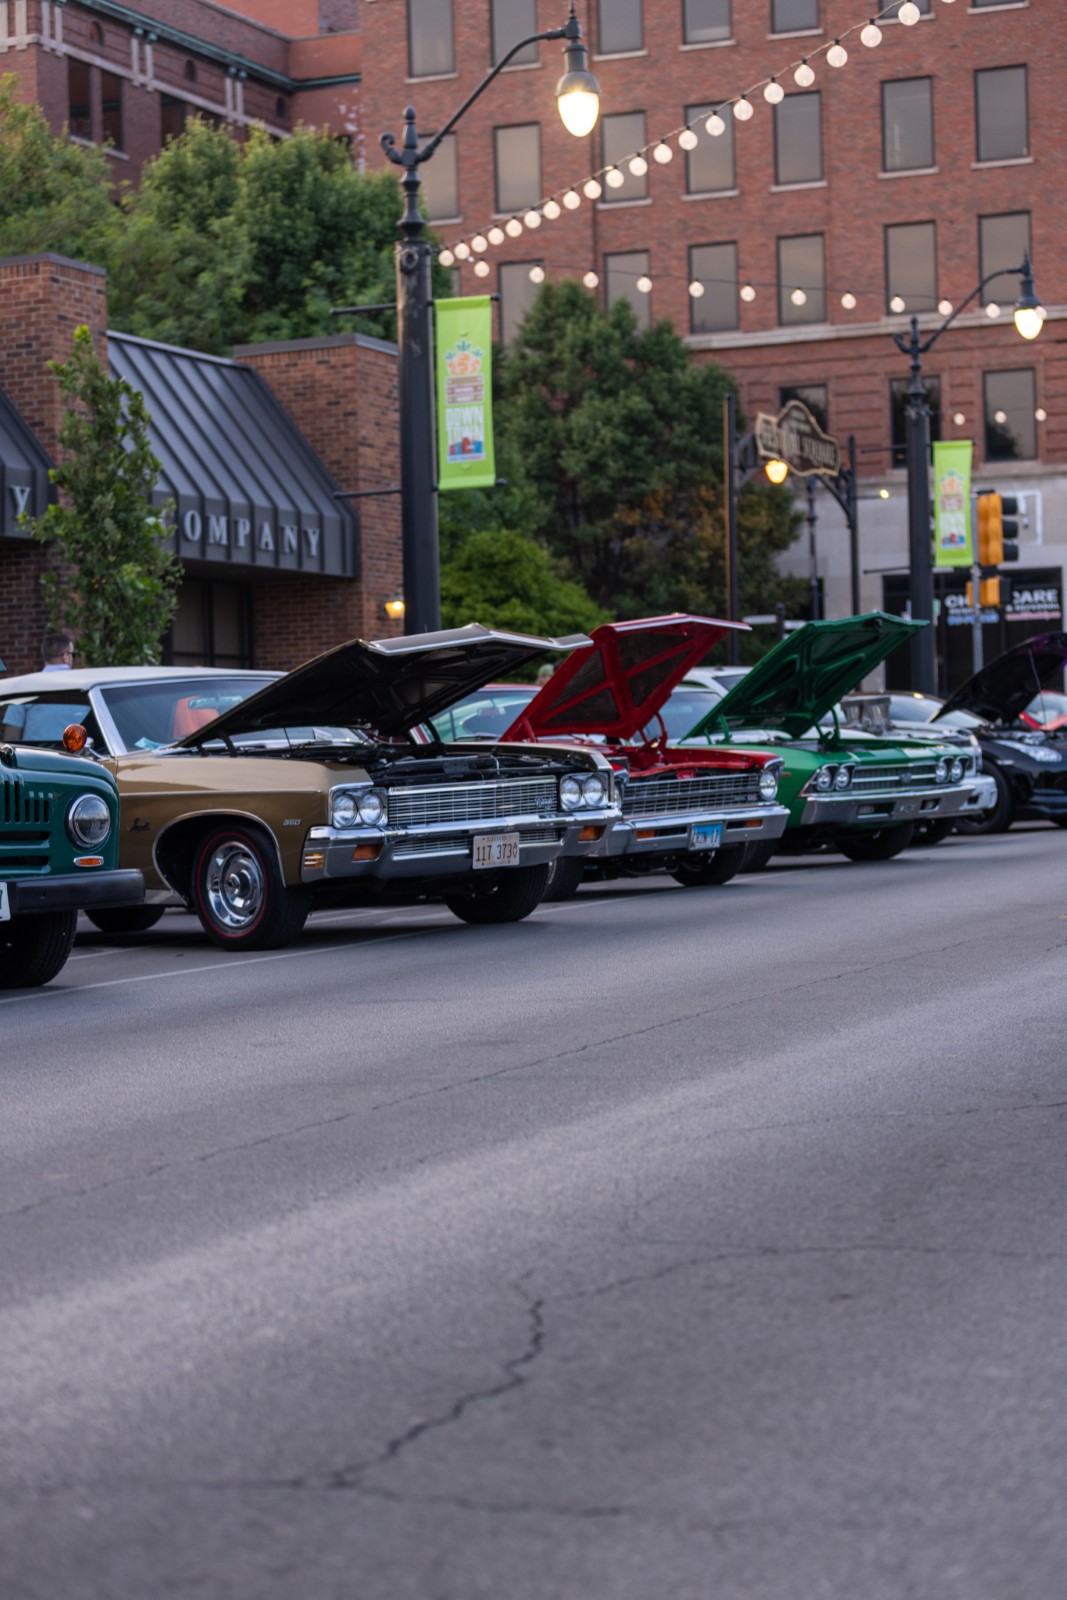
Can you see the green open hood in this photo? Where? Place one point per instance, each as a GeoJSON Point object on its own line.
{"type": "Point", "coordinates": [806, 673]}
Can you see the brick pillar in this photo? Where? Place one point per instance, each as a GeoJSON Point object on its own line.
{"type": "Point", "coordinates": [342, 394]}
{"type": "Point", "coordinates": [42, 300]}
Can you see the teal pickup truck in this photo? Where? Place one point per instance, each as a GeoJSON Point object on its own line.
{"type": "Point", "coordinates": [59, 825]}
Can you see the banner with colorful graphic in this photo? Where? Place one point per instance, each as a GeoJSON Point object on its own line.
{"type": "Point", "coordinates": [464, 335]}
{"type": "Point", "coordinates": [953, 537]}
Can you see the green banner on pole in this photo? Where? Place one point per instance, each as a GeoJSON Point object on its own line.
{"type": "Point", "coordinates": [953, 535]}
{"type": "Point", "coordinates": [464, 335]}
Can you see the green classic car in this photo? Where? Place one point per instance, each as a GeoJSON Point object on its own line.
{"type": "Point", "coordinates": [58, 851]}
{"type": "Point", "coordinates": [852, 792]}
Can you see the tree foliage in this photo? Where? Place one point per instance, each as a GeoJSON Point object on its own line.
{"type": "Point", "coordinates": [504, 579]}
{"type": "Point", "coordinates": [54, 195]}
{"type": "Point", "coordinates": [116, 587]}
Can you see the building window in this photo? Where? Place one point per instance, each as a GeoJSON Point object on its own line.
{"type": "Point", "coordinates": [96, 35]}
{"type": "Point", "coordinates": [706, 21]}
{"type": "Point", "coordinates": [517, 292]}
{"type": "Point", "coordinates": [1010, 424]}
{"type": "Point", "coordinates": [211, 626]}
{"type": "Point", "coordinates": [709, 169]}
{"type": "Point", "coordinates": [518, 166]}
{"type": "Point", "coordinates": [190, 71]}
{"type": "Point", "coordinates": [894, 6]}
{"type": "Point", "coordinates": [798, 139]}
{"type": "Point", "coordinates": [440, 182]}
{"type": "Point", "coordinates": [1001, 113]}
{"type": "Point", "coordinates": [172, 115]}
{"type": "Point", "coordinates": [619, 26]}
{"type": "Point", "coordinates": [911, 266]}
{"type": "Point", "coordinates": [111, 108]}
{"type": "Point", "coordinates": [620, 138]}
{"type": "Point", "coordinates": [801, 279]}
{"type": "Point", "coordinates": [907, 124]}
{"type": "Point", "coordinates": [281, 109]}
{"type": "Point", "coordinates": [621, 274]}
{"type": "Point", "coordinates": [79, 102]}
{"type": "Point", "coordinates": [514, 20]}
{"type": "Point", "coordinates": [714, 267]}
{"type": "Point", "coordinates": [898, 412]}
{"type": "Point", "coordinates": [812, 395]}
{"type": "Point", "coordinates": [431, 49]}
{"type": "Point", "coordinates": [794, 16]}
{"type": "Point", "coordinates": [1003, 241]}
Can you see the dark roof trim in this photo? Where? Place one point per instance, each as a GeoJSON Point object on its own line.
{"type": "Point", "coordinates": [57, 261]}
{"type": "Point", "coordinates": [213, 52]}
{"type": "Point", "coordinates": [330, 341]}
{"type": "Point", "coordinates": [25, 485]}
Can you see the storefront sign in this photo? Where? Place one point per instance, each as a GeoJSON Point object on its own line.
{"type": "Point", "coordinates": [794, 436]}
{"type": "Point", "coordinates": [1039, 604]}
{"type": "Point", "coordinates": [953, 539]}
{"type": "Point", "coordinates": [464, 335]}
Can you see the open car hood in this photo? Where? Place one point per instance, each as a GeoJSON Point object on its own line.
{"type": "Point", "coordinates": [806, 674]}
{"type": "Point", "coordinates": [384, 686]}
{"type": "Point", "coordinates": [1002, 691]}
{"type": "Point", "coordinates": [616, 689]}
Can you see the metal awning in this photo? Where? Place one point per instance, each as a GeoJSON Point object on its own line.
{"type": "Point", "coordinates": [248, 489]}
{"type": "Point", "coordinates": [24, 482]}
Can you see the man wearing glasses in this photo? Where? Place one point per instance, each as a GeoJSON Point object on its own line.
{"type": "Point", "coordinates": [57, 651]}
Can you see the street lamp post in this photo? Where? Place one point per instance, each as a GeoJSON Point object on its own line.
{"type": "Point", "coordinates": [1028, 319]}
{"type": "Point", "coordinates": [577, 97]}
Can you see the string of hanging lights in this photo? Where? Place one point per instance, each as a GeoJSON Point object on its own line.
{"type": "Point", "coordinates": [474, 247]}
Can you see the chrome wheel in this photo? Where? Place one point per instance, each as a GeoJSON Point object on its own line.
{"type": "Point", "coordinates": [234, 885]}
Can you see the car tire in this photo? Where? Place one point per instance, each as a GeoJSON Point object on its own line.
{"type": "Point", "coordinates": [512, 895]}
{"type": "Point", "coordinates": [126, 919]}
{"type": "Point", "coordinates": [565, 876]}
{"type": "Point", "coordinates": [881, 844]}
{"type": "Point", "coordinates": [1002, 815]}
{"type": "Point", "coordinates": [758, 856]}
{"type": "Point", "coordinates": [239, 894]}
{"type": "Point", "coordinates": [931, 833]}
{"type": "Point", "coordinates": [33, 949]}
{"type": "Point", "coordinates": [725, 864]}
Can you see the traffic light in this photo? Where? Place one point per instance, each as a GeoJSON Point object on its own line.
{"type": "Point", "coordinates": [1009, 527]}
{"type": "Point", "coordinates": [991, 528]}
{"type": "Point", "coordinates": [988, 593]}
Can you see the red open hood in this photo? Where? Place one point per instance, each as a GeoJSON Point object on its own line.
{"type": "Point", "coordinates": [616, 688]}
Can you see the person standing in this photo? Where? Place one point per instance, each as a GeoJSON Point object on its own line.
{"type": "Point", "coordinates": [57, 651]}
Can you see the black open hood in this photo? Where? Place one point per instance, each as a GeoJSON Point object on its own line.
{"type": "Point", "coordinates": [1002, 691]}
{"type": "Point", "coordinates": [384, 686]}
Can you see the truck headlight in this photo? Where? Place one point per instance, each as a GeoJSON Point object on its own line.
{"type": "Point", "coordinates": [570, 793]}
{"type": "Point", "coordinates": [768, 783]}
{"type": "Point", "coordinates": [89, 821]}
{"type": "Point", "coordinates": [594, 790]}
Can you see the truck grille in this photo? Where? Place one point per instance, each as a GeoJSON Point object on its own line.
{"type": "Point", "coordinates": [888, 780]}
{"type": "Point", "coordinates": [658, 797]}
{"type": "Point", "coordinates": [473, 802]}
{"type": "Point", "coordinates": [25, 816]}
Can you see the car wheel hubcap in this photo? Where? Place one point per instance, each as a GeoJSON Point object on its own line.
{"type": "Point", "coordinates": [234, 886]}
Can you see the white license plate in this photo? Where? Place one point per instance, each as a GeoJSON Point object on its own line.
{"type": "Point", "coordinates": [705, 836]}
{"type": "Point", "coordinates": [495, 850]}
{"type": "Point", "coordinates": [5, 904]}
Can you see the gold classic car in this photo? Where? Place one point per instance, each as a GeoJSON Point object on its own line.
{"type": "Point", "coordinates": [316, 791]}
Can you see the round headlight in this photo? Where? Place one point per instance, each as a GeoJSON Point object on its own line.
{"type": "Point", "coordinates": [595, 790]}
{"type": "Point", "coordinates": [371, 808]}
{"type": "Point", "coordinates": [844, 778]}
{"type": "Point", "coordinates": [344, 811]}
{"type": "Point", "coordinates": [768, 783]}
{"type": "Point", "coordinates": [570, 793]}
{"type": "Point", "coordinates": [824, 778]}
{"type": "Point", "coordinates": [89, 821]}
{"type": "Point", "coordinates": [956, 771]}
{"type": "Point", "coordinates": [941, 771]}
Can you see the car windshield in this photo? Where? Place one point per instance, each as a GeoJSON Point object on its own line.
{"type": "Point", "coordinates": [1049, 708]}
{"type": "Point", "coordinates": [485, 715]}
{"type": "Point", "coordinates": [688, 705]}
{"type": "Point", "coordinates": [150, 715]}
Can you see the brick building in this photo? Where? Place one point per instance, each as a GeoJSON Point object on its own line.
{"type": "Point", "coordinates": [253, 451]}
{"type": "Point", "coordinates": [128, 75]}
{"type": "Point", "coordinates": [911, 171]}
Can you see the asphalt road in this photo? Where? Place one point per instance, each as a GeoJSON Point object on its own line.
{"type": "Point", "coordinates": [674, 1243]}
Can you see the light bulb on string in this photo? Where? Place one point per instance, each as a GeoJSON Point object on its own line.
{"type": "Point", "coordinates": [592, 189]}
{"type": "Point", "coordinates": [798, 297]}
{"type": "Point", "coordinates": [804, 76]}
{"type": "Point", "coordinates": [1001, 417]}
{"type": "Point", "coordinates": [532, 219]}
{"type": "Point", "coordinates": [481, 269]}
{"type": "Point", "coordinates": [849, 302]}
{"type": "Point", "coordinates": [837, 55]}
{"type": "Point", "coordinates": [696, 288]}
{"type": "Point", "coordinates": [871, 35]}
{"type": "Point", "coordinates": [513, 227]}
{"type": "Point", "coordinates": [463, 250]}
{"type": "Point", "coordinates": [638, 165]}
{"type": "Point", "coordinates": [590, 280]}
{"type": "Point", "coordinates": [663, 153]}
{"type": "Point", "coordinates": [909, 14]}
{"type": "Point", "coordinates": [644, 284]}
{"type": "Point", "coordinates": [572, 200]}
{"type": "Point", "coordinates": [774, 94]}
{"type": "Point", "coordinates": [743, 108]}
{"type": "Point", "coordinates": [992, 310]}
{"type": "Point", "coordinates": [688, 139]}
{"type": "Point", "coordinates": [945, 307]}
{"type": "Point", "coordinates": [479, 243]}
{"type": "Point", "coordinates": [715, 125]}
{"type": "Point", "coordinates": [1040, 415]}
{"type": "Point", "coordinates": [537, 274]}
{"type": "Point", "coordinates": [447, 258]}
{"type": "Point", "coordinates": [897, 304]}
{"type": "Point", "coordinates": [614, 178]}
{"type": "Point", "coordinates": [495, 235]}
{"type": "Point", "coordinates": [747, 293]}
{"type": "Point", "coordinates": [551, 210]}
{"type": "Point", "coordinates": [958, 418]}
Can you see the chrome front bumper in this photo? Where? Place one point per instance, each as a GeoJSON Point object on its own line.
{"type": "Point", "coordinates": [875, 810]}
{"type": "Point", "coordinates": [981, 795]}
{"type": "Point", "coordinates": [445, 848]}
{"type": "Point", "coordinates": [660, 835]}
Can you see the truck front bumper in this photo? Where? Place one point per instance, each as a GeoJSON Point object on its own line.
{"type": "Point", "coordinates": [80, 892]}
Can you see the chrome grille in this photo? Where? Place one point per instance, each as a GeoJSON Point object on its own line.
{"type": "Point", "coordinates": [22, 805]}
{"type": "Point", "coordinates": [888, 780]}
{"type": "Point", "coordinates": [449, 843]}
{"type": "Point", "coordinates": [473, 802]}
{"type": "Point", "coordinates": [658, 797]}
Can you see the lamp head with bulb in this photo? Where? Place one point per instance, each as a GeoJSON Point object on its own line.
{"type": "Point", "coordinates": [777, 471]}
{"type": "Point", "coordinates": [577, 92]}
{"type": "Point", "coordinates": [1029, 313]}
